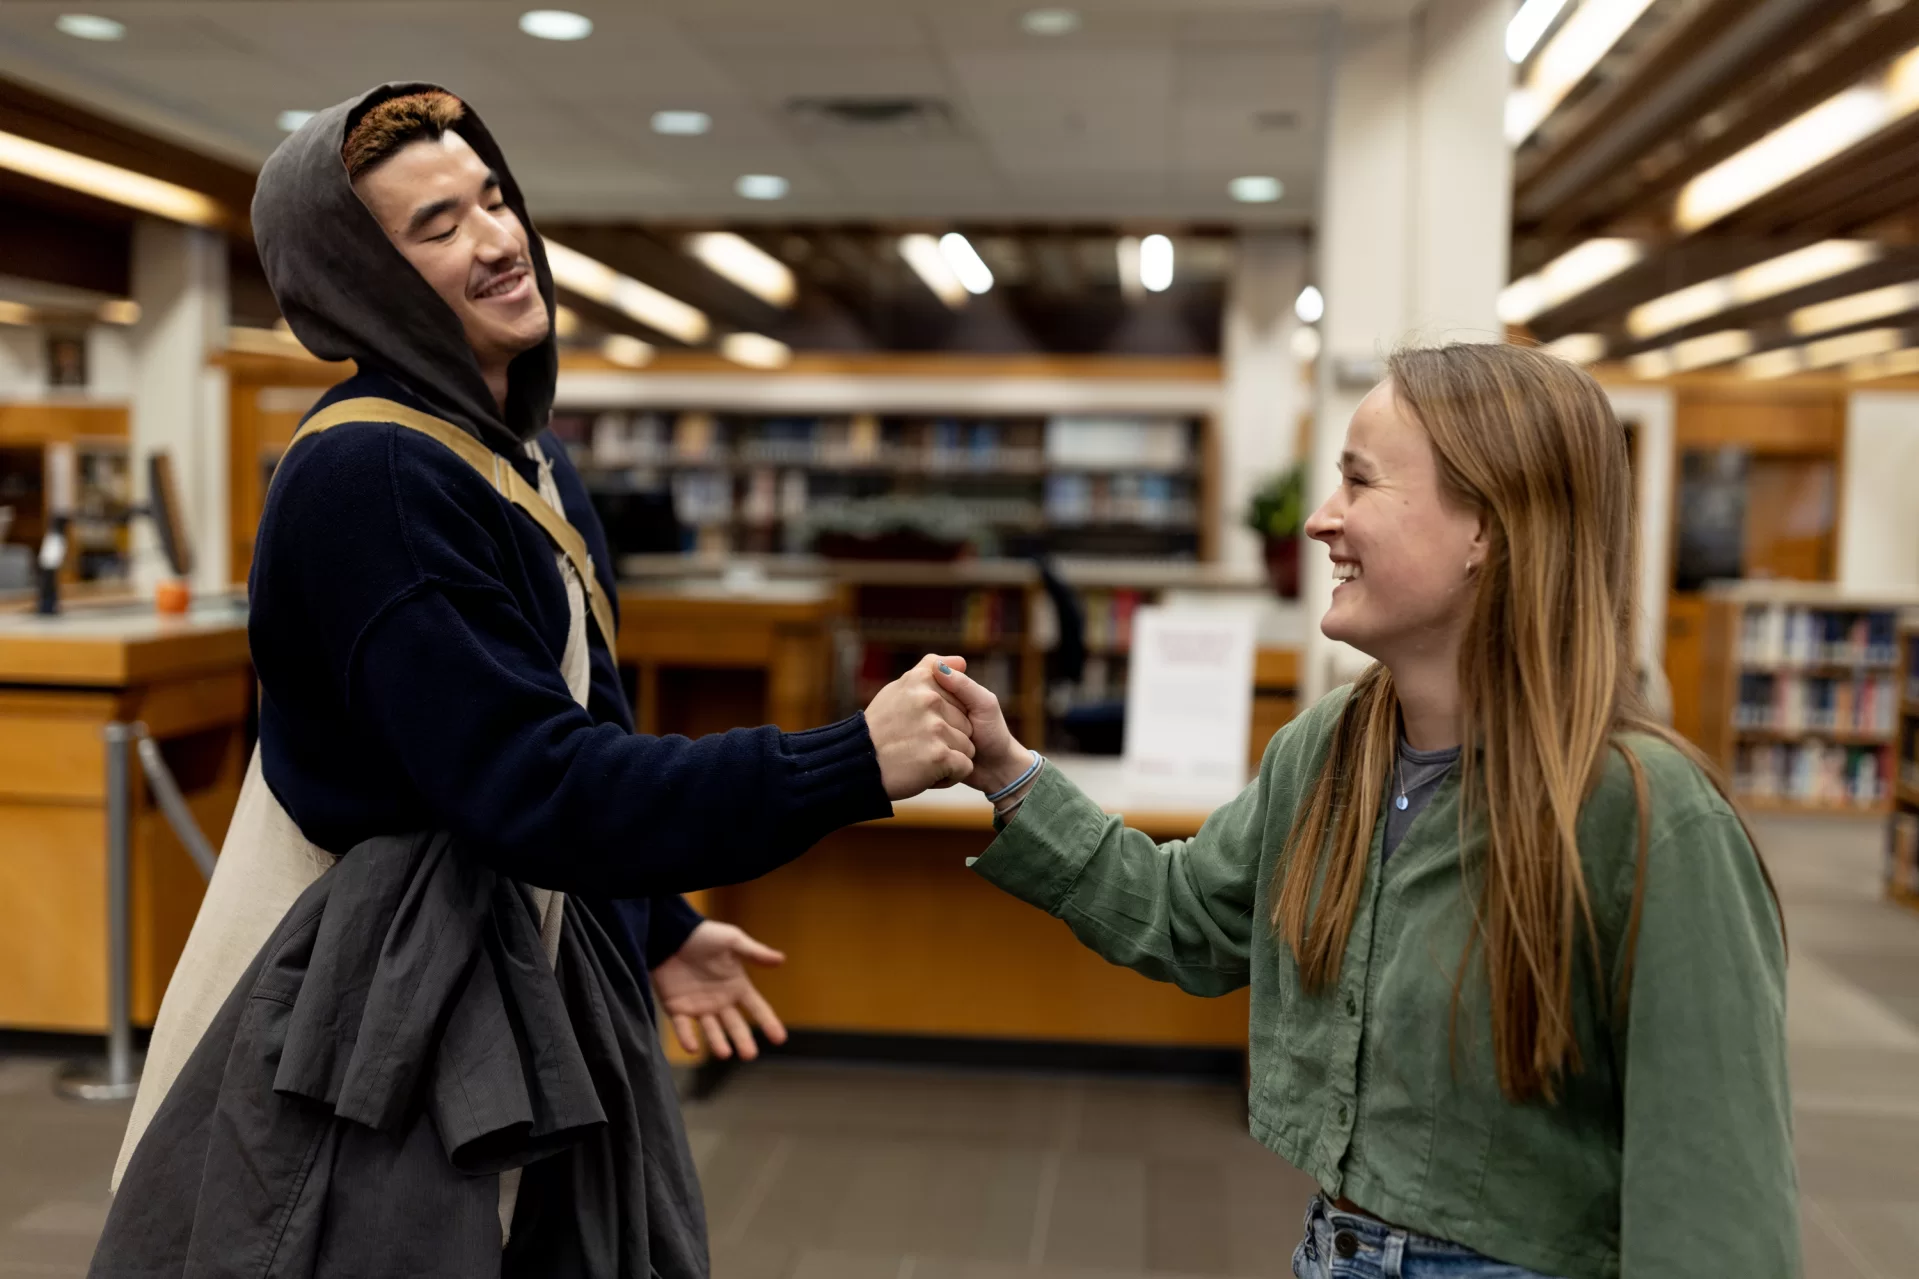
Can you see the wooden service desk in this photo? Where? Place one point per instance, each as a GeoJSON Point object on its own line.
{"type": "Point", "coordinates": [62, 680]}
{"type": "Point", "coordinates": [712, 656]}
{"type": "Point", "coordinates": [887, 932]}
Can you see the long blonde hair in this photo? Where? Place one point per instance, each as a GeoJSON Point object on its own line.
{"type": "Point", "coordinates": [1547, 686]}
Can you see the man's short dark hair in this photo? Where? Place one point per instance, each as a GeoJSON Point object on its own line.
{"type": "Point", "coordinates": [394, 123]}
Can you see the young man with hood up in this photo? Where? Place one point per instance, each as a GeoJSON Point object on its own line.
{"type": "Point", "coordinates": [422, 655]}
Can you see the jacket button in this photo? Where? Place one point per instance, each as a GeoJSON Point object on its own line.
{"type": "Point", "coordinates": [1341, 1112]}
{"type": "Point", "coordinates": [1346, 1243]}
{"type": "Point", "coordinates": [1352, 1006]}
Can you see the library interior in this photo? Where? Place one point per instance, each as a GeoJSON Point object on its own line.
{"type": "Point", "coordinates": [1025, 334]}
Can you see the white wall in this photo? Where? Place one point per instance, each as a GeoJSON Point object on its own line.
{"type": "Point", "coordinates": [23, 365]}
{"type": "Point", "coordinates": [1879, 492]}
{"type": "Point", "coordinates": [1413, 230]}
{"type": "Point", "coordinates": [1263, 391]}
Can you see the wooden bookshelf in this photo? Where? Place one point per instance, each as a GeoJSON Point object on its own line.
{"type": "Point", "coordinates": [1902, 829]}
{"type": "Point", "coordinates": [1800, 696]}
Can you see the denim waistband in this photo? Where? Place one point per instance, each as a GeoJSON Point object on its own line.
{"type": "Point", "coordinates": [1371, 1230]}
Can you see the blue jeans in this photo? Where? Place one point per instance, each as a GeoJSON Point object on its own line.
{"type": "Point", "coordinates": [1345, 1245]}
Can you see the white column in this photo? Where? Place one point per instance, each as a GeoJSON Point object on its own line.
{"type": "Point", "coordinates": [1263, 393]}
{"type": "Point", "coordinates": [1413, 230]}
{"type": "Point", "coordinates": [179, 403]}
{"type": "Point", "coordinates": [1879, 532]}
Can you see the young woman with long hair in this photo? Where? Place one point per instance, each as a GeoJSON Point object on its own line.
{"type": "Point", "coordinates": [1518, 973]}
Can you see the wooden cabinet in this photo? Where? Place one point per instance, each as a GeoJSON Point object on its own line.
{"type": "Point", "coordinates": [61, 682]}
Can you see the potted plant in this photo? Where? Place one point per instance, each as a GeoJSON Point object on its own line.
{"type": "Point", "coordinates": [1277, 512]}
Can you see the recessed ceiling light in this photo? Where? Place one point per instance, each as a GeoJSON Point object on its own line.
{"type": "Point", "coordinates": [626, 350]}
{"type": "Point", "coordinates": [762, 186]}
{"type": "Point", "coordinates": [1310, 305]}
{"type": "Point", "coordinates": [1050, 22]}
{"type": "Point", "coordinates": [681, 123]}
{"type": "Point", "coordinates": [1156, 263]}
{"type": "Point", "coordinates": [745, 264]}
{"type": "Point", "coordinates": [556, 24]}
{"type": "Point", "coordinates": [1256, 188]}
{"type": "Point", "coordinates": [88, 26]}
{"type": "Point", "coordinates": [922, 253]}
{"type": "Point", "coordinates": [291, 120]}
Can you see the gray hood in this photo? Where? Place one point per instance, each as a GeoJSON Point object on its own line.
{"type": "Point", "coordinates": [350, 295]}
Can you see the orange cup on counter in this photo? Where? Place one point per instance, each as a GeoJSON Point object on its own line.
{"type": "Point", "coordinates": [171, 598]}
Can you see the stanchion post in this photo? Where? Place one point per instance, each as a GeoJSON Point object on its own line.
{"type": "Point", "coordinates": [117, 1079]}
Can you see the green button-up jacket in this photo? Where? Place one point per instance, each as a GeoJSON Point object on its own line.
{"type": "Point", "coordinates": [1669, 1154]}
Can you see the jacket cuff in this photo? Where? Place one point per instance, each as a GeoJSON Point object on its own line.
{"type": "Point", "coordinates": [1040, 854]}
{"type": "Point", "coordinates": [834, 778]}
{"type": "Point", "coordinates": [672, 921]}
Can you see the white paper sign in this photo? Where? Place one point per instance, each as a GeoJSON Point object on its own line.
{"type": "Point", "coordinates": [1189, 702]}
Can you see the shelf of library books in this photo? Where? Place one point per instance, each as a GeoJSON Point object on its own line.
{"type": "Point", "coordinates": [1802, 695]}
{"type": "Point", "coordinates": [1902, 834]}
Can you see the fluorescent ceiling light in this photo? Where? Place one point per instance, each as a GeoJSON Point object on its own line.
{"type": "Point", "coordinates": [626, 350]}
{"type": "Point", "coordinates": [107, 182]}
{"type": "Point", "coordinates": [120, 311]}
{"type": "Point", "coordinates": [1827, 352]}
{"type": "Point", "coordinates": [1310, 305]}
{"type": "Point", "coordinates": [1050, 22]}
{"type": "Point", "coordinates": [1155, 264]}
{"type": "Point", "coordinates": [1769, 364]}
{"type": "Point", "coordinates": [681, 123]}
{"type": "Point", "coordinates": [289, 121]}
{"type": "Point", "coordinates": [1755, 283]}
{"type": "Point", "coordinates": [1528, 25]}
{"type": "Point", "coordinates": [566, 322]}
{"type": "Point", "coordinates": [756, 350]}
{"type": "Point", "coordinates": [1652, 364]}
{"type": "Point", "coordinates": [1566, 277]}
{"type": "Point", "coordinates": [1858, 308]}
{"type": "Point", "coordinates": [1256, 188]}
{"type": "Point", "coordinates": [1714, 348]}
{"type": "Point", "coordinates": [922, 253]}
{"type": "Point", "coordinates": [89, 26]}
{"type": "Point", "coordinates": [965, 260]}
{"type": "Point", "coordinates": [1306, 343]}
{"type": "Point", "coordinates": [1580, 348]}
{"type": "Point", "coordinates": [762, 186]}
{"type": "Point", "coordinates": [745, 264]}
{"type": "Point", "coordinates": [18, 313]}
{"type": "Point", "coordinates": [1840, 122]}
{"type": "Point", "coordinates": [600, 283]}
{"type": "Point", "coordinates": [556, 24]}
{"type": "Point", "coordinates": [1892, 364]}
{"type": "Point", "coordinates": [1589, 35]}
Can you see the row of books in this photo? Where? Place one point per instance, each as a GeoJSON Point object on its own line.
{"type": "Point", "coordinates": [1902, 854]}
{"type": "Point", "coordinates": [616, 440]}
{"type": "Point", "coordinates": [1109, 618]}
{"type": "Point", "coordinates": [1812, 773]}
{"type": "Point", "coordinates": [1811, 703]}
{"type": "Point", "coordinates": [1782, 635]}
{"type": "Point", "coordinates": [1116, 499]}
{"type": "Point", "coordinates": [703, 497]}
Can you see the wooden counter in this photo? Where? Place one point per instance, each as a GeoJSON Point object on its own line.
{"type": "Point", "coordinates": [887, 932]}
{"type": "Point", "coordinates": [62, 680]}
{"type": "Point", "coordinates": [710, 657]}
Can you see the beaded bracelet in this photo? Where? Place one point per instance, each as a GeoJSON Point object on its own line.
{"type": "Point", "coordinates": [1025, 777]}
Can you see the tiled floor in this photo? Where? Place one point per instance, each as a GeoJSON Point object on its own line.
{"type": "Point", "coordinates": [825, 1172]}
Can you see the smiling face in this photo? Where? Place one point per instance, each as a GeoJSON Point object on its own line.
{"type": "Point", "coordinates": [441, 207]}
{"type": "Point", "coordinates": [1404, 553]}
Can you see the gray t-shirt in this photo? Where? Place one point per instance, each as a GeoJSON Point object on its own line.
{"type": "Point", "coordinates": [1416, 778]}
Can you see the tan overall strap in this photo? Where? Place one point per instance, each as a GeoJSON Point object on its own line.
{"type": "Point", "coordinates": [496, 469]}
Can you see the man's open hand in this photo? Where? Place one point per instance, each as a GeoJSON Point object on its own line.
{"type": "Point", "coordinates": [704, 986]}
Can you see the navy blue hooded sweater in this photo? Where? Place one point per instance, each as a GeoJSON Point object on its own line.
{"type": "Point", "coordinates": [407, 623]}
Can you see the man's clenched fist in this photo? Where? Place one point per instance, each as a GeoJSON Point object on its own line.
{"type": "Point", "coordinates": [919, 733]}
